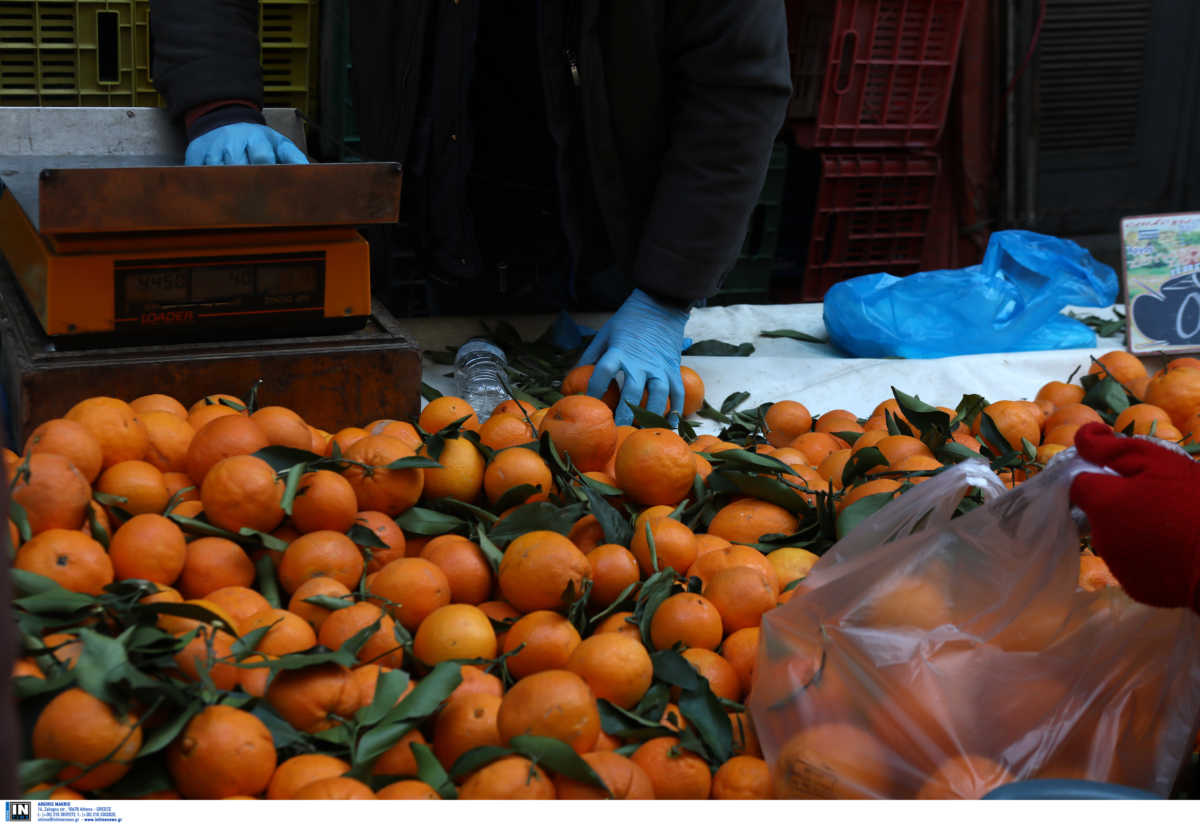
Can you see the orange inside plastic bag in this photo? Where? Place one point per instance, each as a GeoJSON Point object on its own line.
{"type": "Point", "coordinates": [934, 658]}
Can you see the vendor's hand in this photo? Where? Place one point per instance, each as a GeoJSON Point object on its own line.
{"type": "Point", "coordinates": [1145, 520]}
{"type": "Point", "coordinates": [240, 144]}
{"type": "Point", "coordinates": [643, 340]}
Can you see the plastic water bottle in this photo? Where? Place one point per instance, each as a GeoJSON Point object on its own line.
{"type": "Point", "coordinates": [478, 376]}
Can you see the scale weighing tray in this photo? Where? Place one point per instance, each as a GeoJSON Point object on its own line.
{"type": "Point", "coordinates": [108, 234]}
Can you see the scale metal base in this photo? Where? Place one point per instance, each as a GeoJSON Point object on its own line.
{"type": "Point", "coordinates": [109, 235]}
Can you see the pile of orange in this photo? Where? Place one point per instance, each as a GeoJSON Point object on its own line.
{"type": "Point", "coordinates": [184, 498]}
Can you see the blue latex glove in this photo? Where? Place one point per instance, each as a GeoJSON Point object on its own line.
{"type": "Point", "coordinates": [241, 144]}
{"type": "Point", "coordinates": [643, 340]}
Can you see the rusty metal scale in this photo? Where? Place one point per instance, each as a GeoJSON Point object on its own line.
{"type": "Point", "coordinates": [120, 258]}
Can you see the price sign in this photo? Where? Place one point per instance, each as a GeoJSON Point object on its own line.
{"type": "Point", "coordinates": [1162, 282]}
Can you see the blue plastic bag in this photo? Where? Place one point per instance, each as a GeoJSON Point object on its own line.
{"type": "Point", "coordinates": [1008, 303]}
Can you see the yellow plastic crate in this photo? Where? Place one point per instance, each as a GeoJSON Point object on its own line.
{"type": "Point", "coordinates": [97, 53]}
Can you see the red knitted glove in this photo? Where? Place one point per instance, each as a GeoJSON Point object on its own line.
{"type": "Point", "coordinates": [1146, 519]}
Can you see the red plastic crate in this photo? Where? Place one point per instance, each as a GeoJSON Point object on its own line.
{"type": "Point", "coordinates": [872, 215]}
{"type": "Point", "coordinates": [889, 73]}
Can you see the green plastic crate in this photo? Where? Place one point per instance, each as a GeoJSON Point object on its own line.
{"type": "Point", "coordinates": [97, 53]}
{"type": "Point", "coordinates": [750, 279]}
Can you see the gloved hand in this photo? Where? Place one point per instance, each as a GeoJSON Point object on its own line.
{"type": "Point", "coordinates": [1146, 519]}
{"type": "Point", "coordinates": [643, 340]}
{"type": "Point", "coordinates": [240, 144]}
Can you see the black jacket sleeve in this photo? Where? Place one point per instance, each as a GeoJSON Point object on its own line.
{"type": "Point", "coordinates": [728, 86]}
{"type": "Point", "coordinates": [205, 50]}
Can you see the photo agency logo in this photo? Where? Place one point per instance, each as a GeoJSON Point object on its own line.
{"type": "Point", "coordinates": [18, 811]}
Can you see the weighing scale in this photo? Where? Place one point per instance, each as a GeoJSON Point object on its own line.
{"type": "Point", "coordinates": [133, 274]}
{"type": "Point", "coordinates": [109, 235]}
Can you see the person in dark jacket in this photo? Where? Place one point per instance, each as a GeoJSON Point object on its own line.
{"type": "Point", "coordinates": [574, 153]}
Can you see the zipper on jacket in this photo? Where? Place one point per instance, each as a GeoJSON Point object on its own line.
{"type": "Point", "coordinates": [573, 65]}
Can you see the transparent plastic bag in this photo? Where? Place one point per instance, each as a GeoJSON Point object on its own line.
{"type": "Point", "coordinates": [926, 657]}
{"type": "Point", "coordinates": [1008, 303]}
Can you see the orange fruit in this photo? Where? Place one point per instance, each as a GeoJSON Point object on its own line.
{"type": "Point", "coordinates": [323, 552]}
{"type": "Point", "coordinates": [784, 421]}
{"type": "Point", "coordinates": [549, 640]}
{"type": "Point", "coordinates": [875, 487]}
{"type": "Point", "coordinates": [614, 568]}
{"type": "Point", "coordinates": [896, 448]}
{"type": "Point", "coordinates": [576, 383]}
{"type": "Point", "coordinates": [619, 622]}
{"type": "Point", "coordinates": [158, 403]}
{"type": "Point", "coordinates": [68, 557]}
{"type": "Point", "coordinates": [1061, 435]}
{"type": "Point", "coordinates": [324, 500]}
{"type": "Point", "coordinates": [313, 614]}
{"type": "Point", "coordinates": [1141, 416]}
{"type": "Point", "coordinates": [390, 491]}
{"type": "Point", "coordinates": [206, 414]}
{"type": "Point", "coordinates": [1074, 414]}
{"type": "Point", "coordinates": [791, 563]}
{"type": "Point", "coordinates": [399, 758]}
{"type": "Point", "coordinates": [965, 776]}
{"type": "Point", "coordinates": [911, 601]}
{"type": "Point", "coordinates": [621, 776]}
{"type": "Point", "coordinates": [553, 703]}
{"type": "Point", "coordinates": [674, 772]}
{"type": "Point", "coordinates": [513, 777]}
{"type": "Point", "coordinates": [832, 468]}
{"type": "Point", "coordinates": [616, 667]}
{"type": "Point", "coordinates": [288, 632]}
{"type": "Point", "coordinates": [242, 491]}
{"type": "Point", "coordinates": [84, 731]}
{"type": "Point", "coordinates": [219, 399]}
{"type": "Point", "coordinates": [732, 556]}
{"type": "Point", "coordinates": [188, 509]}
{"type": "Point", "coordinates": [583, 427]}
{"type": "Point", "coordinates": [53, 493]}
{"type": "Point", "coordinates": [140, 483]}
{"type": "Point", "coordinates": [441, 412]}
{"type": "Point", "coordinates": [461, 473]}
{"type": "Point", "coordinates": [1121, 366]}
{"type": "Point", "coordinates": [655, 466]}
{"type": "Point", "coordinates": [832, 760]}
{"type": "Point", "coordinates": [239, 603]}
{"type": "Point", "coordinates": [283, 427]}
{"type": "Point", "coordinates": [465, 566]}
{"type": "Point", "coordinates": [463, 724]}
{"type": "Point", "coordinates": [514, 467]}
{"type": "Point", "coordinates": [741, 595]}
{"type": "Point", "coordinates": [745, 738]}
{"type": "Point", "coordinates": [299, 770]}
{"type": "Point", "coordinates": [1094, 574]}
{"type": "Point", "coordinates": [337, 788]}
{"type": "Point", "coordinates": [149, 547]}
{"type": "Point", "coordinates": [476, 682]}
{"type": "Point", "coordinates": [1177, 392]}
{"type": "Point", "coordinates": [514, 407]}
{"type": "Point", "coordinates": [1060, 394]}
{"type": "Point", "coordinates": [212, 563]}
{"type": "Point", "coordinates": [170, 438]}
{"type": "Point", "coordinates": [221, 438]}
{"type": "Point", "coordinates": [381, 646]}
{"type": "Point", "coordinates": [817, 446]}
{"type": "Point", "coordinates": [742, 778]}
{"type": "Point", "coordinates": [537, 569]}
{"type": "Point", "coordinates": [918, 463]}
{"type": "Point", "coordinates": [687, 617]}
{"type": "Point", "coordinates": [740, 649]}
{"type": "Point", "coordinates": [409, 789]}
{"type": "Point", "coordinates": [674, 546]}
{"type": "Point", "coordinates": [410, 589]}
{"type": "Point", "coordinates": [115, 425]}
{"type": "Point", "coordinates": [222, 751]}
{"type": "Point", "coordinates": [1014, 421]}
{"type": "Point", "coordinates": [720, 674]}
{"type": "Point", "coordinates": [388, 532]}
{"type": "Point", "coordinates": [403, 430]}
{"type": "Point", "coordinates": [586, 533]}
{"type": "Point", "coordinates": [180, 484]}
{"type": "Point", "coordinates": [70, 439]}
{"type": "Point", "coordinates": [455, 631]}
{"type": "Point", "coordinates": [313, 698]}
{"type": "Point", "coordinates": [747, 520]}
{"type": "Point", "coordinates": [503, 430]}
{"type": "Point", "coordinates": [347, 437]}
{"type": "Point", "coordinates": [693, 391]}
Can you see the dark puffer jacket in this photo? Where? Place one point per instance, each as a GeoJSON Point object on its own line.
{"type": "Point", "coordinates": [679, 102]}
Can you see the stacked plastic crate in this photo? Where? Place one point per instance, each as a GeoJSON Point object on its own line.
{"type": "Point", "coordinates": [871, 88]}
{"type": "Point", "coordinates": [97, 53]}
